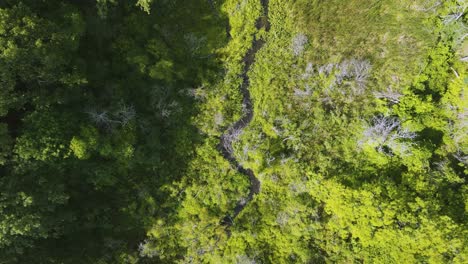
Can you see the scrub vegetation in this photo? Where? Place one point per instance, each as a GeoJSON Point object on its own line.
{"type": "Point", "coordinates": [233, 131]}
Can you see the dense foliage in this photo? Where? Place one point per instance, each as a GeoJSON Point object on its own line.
{"type": "Point", "coordinates": [111, 113]}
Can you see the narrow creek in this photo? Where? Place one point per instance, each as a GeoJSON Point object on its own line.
{"type": "Point", "coordinates": [226, 141]}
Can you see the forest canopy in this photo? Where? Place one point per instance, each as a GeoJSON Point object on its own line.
{"type": "Point", "coordinates": [233, 131]}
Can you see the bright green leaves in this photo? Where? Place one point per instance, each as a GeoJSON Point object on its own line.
{"type": "Point", "coordinates": [35, 53]}
{"type": "Point", "coordinates": [79, 148]}
{"type": "Point", "coordinates": [208, 192]}
{"type": "Point", "coordinates": [375, 200]}
{"type": "Point", "coordinates": [117, 145]}
{"type": "Point", "coordinates": [364, 223]}
{"type": "Point", "coordinates": [43, 138]}
{"type": "Point", "coordinates": [103, 6]}
{"type": "Point", "coordinates": [35, 47]}
{"type": "Point", "coordinates": [161, 70]}
{"type": "Point", "coordinates": [145, 5]}
{"type": "Point", "coordinates": [85, 143]}
{"type": "Point", "coordinates": [101, 179]}
{"type": "Point", "coordinates": [433, 81]}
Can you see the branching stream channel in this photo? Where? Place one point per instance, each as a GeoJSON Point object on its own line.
{"type": "Point", "coordinates": [226, 140]}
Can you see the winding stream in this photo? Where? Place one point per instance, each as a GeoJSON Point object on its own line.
{"type": "Point", "coordinates": [226, 140]}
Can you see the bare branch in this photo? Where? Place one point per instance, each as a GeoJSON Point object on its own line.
{"type": "Point", "coordinates": [389, 95]}
{"type": "Point", "coordinates": [461, 157]}
{"type": "Point", "coordinates": [301, 93]}
{"type": "Point", "coordinates": [309, 71]}
{"type": "Point", "coordinates": [360, 70]}
{"type": "Point", "coordinates": [108, 120]}
{"type": "Point", "coordinates": [456, 13]}
{"type": "Point", "coordinates": [428, 5]}
{"type": "Point", "coordinates": [232, 136]}
{"type": "Point", "coordinates": [282, 219]}
{"type": "Point", "coordinates": [326, 69]}
{"type": "Point", "coordinates": [387, 132]}
{"type": "Point", "coordinates": [298, 44]}
{"type": "Point", "coordinates": [125, 114]}
{"type": "Point", "coordinates": [243, 259]}
{"type": "Point", "coordinates": [146, 249]}
{"type": "Point", "coordinates": [99, 118]}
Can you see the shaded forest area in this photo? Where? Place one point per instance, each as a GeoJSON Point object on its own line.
{"type": "Point", "coordinates": [96, 103]}
{"type": "Point", "coordinates": [354, 134]}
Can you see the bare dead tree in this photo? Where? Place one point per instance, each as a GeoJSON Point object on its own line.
{"type": "Point", "coordinates": [303, 93]}
{"type": "Point", "coordinates": [196, 93]}
{"type": "Point", "coordinates": [282, 219]}
{"type": "Point", "coordinates": [146, 249]}
{"type": "Point", "coordinates": [352, 70]}
{"type": "Point", "coordinates": [298, 187]}
{"type": "Point", "coordinates": [456, 13]}
{"type": "Point", "coordinates": [387, 132]}
{"type": "Point", "coordinates": [125, 114]}
{"type": "Point", "coordinates": [218, 119]}
{"type": "Point", "coordinates": [243, 259]}
{"type": "Point", "coordinates": [109, 119]}
{"type": "Point", "coordinates": [460, 33]}
{"type": "Point", "coordinates": [309, 71]}
{"type": "Point", "coordinates": [390, 95]}
{"type": "Point", "coordinates": [428, 5]}
{"type": "Point", "coordinates": [360, 70]}
{"type": "Point", "coordinates": [298, 44]}
{"type": "Point", "coordinates": [165, 113]}
{"type": "Point", "coordinates": [201, 252]}
{"type": "Point", "coordinates": [284, 159]}
{"type": "Point", "coordinates": [269, 160]}
{"type": "Point", "coordinates": [274, 178]}
{"type": "Point", "coordinates": [461, 157]}
{"type": "Point", "coordinates": [343, 72]}
{"type": "Point", "coordinates": [459, 132]}
{"type": "Point", "coordinates": [326, 69]}
{"type": "Point", "coordinates": [243, 201]}
{"type": "Point", "coordinates": [245, 109]}
{"type": "Point", "coordinates": [356, 69]}
{"type": "Point", "coordinates": [100, 118]}
{"type": "Point", "coordinates": [194, 42]}
{"type": "Point", "coordinates": [231, 137]}
{"type": "Point", "coordinates": [245, 154]}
